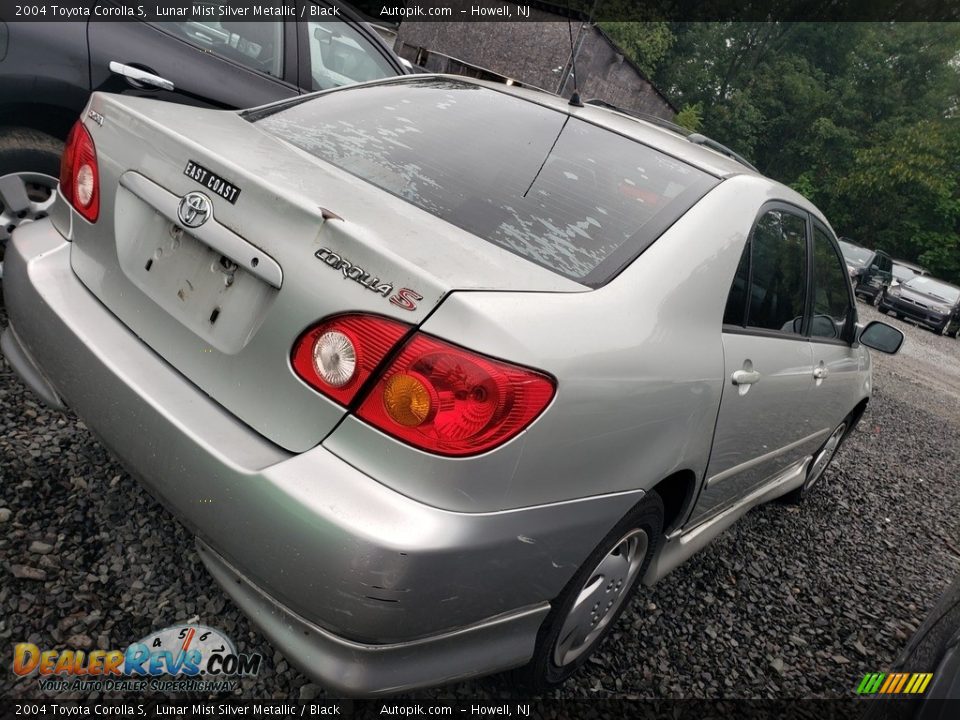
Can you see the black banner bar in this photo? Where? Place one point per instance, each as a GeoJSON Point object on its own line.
{"type": "Point", "coordinates": [395, 11]}
{"type": "Point", "coordinates": [846, 709]}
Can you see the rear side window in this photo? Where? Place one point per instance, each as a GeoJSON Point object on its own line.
{"type": "Point", "coordinates": [573, 197]}
{"type": "Point", "coordinates": [831, 298]}
{"type": "Point", "coordinates": [777, 273]}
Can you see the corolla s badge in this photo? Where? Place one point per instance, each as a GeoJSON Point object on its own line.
{"type": "Point", "coordinates": [194, 209]}
{"type": "Point", "coordinates": [404, 298]}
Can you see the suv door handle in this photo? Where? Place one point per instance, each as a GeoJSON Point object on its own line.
{"type": "Point", "coordinates": [136, 75]}
{"type": "Point", "coordinates": [820, 372]}
{"type": "Point", "coordinates": [745, 377]}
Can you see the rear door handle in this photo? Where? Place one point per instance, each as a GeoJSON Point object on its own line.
{"type": "Point", "coordinates": [745, 377]}
{"type": "Point", "coordinates": [820, 372]}
{"type": "Point", "coordinates": [136, 75]}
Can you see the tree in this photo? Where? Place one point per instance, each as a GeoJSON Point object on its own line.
{"type": "Point", "coordinates": [859, 117]}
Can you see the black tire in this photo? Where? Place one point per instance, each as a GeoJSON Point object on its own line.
{"type": "Point", "coordinates": [25, 150]}
{"type": "Point", "coordinates": [814, 474]}
{"type": "Point", "coordinates": [543, 672]}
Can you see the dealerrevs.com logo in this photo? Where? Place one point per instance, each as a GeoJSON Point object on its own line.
{"type": "Point", "coordinates": [180, 658]}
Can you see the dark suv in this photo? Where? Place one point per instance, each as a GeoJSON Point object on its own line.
{"type": "Point", "coordinates": [49, 69]}
{"type": "Point", "coordinates": [871, 271]}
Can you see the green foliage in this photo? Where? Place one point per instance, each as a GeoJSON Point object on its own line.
{"type": "Point", "coordinates": [690, 117]}
{"type": "Point", "coordinates": [861, 118]}
{"type": "Point", "coordinates": [645, 43]}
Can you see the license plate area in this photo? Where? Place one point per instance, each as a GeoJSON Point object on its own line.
{"type": "Point", "coordinates": [198, 286]}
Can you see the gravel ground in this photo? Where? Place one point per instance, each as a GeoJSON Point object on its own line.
{"type": "Point", "coordinates": [791, 602]}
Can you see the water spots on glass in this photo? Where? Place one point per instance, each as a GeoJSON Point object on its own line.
{"type": "Point", "coordinates": [522, 176]}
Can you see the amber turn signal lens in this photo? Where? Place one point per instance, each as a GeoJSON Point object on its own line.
{"type": "Point", "coordinates": [407, 400]}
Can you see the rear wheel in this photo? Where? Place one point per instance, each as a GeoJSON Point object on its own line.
{"type": "Point", "coordinates": [29, 166]}
{"type": "Point", "coordinates": [591, 603]}
{"type": "Point", "coordinates": [821, 460]}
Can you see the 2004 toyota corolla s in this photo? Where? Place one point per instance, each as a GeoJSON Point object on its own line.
{"type": "Point", "coordinates": [437, 370]}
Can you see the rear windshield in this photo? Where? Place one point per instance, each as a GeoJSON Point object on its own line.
{"type": "Point", "coordinates": [558, 191]}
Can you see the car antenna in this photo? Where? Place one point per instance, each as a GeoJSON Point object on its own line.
{"type": "Point", "coordinates": [575, 97]}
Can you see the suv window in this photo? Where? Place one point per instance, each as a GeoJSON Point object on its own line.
{"type": "Point", "coordinates": [831, 298]}
{"type": "Point", "coordinates": [777, 272]}
{"type": "Point", "coordinates": [256, 45]}
{"type": "Point", "coordinates": [340, 55]}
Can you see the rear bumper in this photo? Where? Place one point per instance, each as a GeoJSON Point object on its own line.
{"type": "Point", "coordinates": [924, 316]}
{"type": "Point", "coordinates": [349, 578]}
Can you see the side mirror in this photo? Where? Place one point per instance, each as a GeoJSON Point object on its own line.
{"type": "Point", "coordinates": [880, 336]}
{"type": "Point", "coordinates": [322, 35]}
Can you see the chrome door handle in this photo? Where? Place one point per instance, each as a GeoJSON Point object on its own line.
{"type": "Point", "coordinates": [141, 76]}
{"type": "Point", "coordinates": [820, 373]}
{"type": "Point", "coordinates": [745, 377]}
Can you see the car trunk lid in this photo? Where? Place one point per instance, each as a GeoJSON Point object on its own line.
{"type": "Point", "coordinates": [286, 240]}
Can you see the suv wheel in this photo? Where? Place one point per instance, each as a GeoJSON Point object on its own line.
{"type": "Point", "coordinates": [29, 168]}
{"type": "Point", "coordinates": [590, 604]}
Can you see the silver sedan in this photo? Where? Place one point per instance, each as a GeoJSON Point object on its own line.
{"type": "Point", "coordinates": [437, 370]}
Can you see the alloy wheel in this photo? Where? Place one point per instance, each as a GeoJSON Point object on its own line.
{"type": "Point", "coordinates": [24, 197]}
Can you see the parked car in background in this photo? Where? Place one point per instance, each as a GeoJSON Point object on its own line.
{"type": "Point", "coordinates": [927, 301]}
{"type": "Point", "coordinates": [434, 407]}
{"type": "Point", "coordinates": [871, 271]}
{"type": "Point", "coordinates": [903, 271]}
{"type": "Point", "coordinates": [48, 69]}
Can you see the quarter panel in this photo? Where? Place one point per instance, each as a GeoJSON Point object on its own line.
{"type": "Point", "coordinates": [639, 366]}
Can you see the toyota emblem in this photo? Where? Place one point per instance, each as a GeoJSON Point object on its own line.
{"type": "Point", "coordinates": [194, 209]}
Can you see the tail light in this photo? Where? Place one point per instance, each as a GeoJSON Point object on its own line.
{"type": "Point", "coordinates": [79, 174]}
{"type": "Point", "coordinates": [337, 356]}
{"type": "Point", "coordinates": [433, 395]}
{"type": "Point", "coordinates": [447, 400]}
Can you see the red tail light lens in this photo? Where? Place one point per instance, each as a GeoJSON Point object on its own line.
{"type": "Point", "coordinates": [79, 174]}
{"type": "Point", "coordinates": [447, 400]}
{"type": "Point", "coordinates": [337, 356]}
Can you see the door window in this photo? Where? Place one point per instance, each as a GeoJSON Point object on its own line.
{"type": "Point", "coordinates": [255, 45]}
{"type": "Point", "coordinates": [831, 298]}
{"type": "Point", "coordinates": [777, 278]}
{"type": "Point", "coordinates": [736, 310]}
